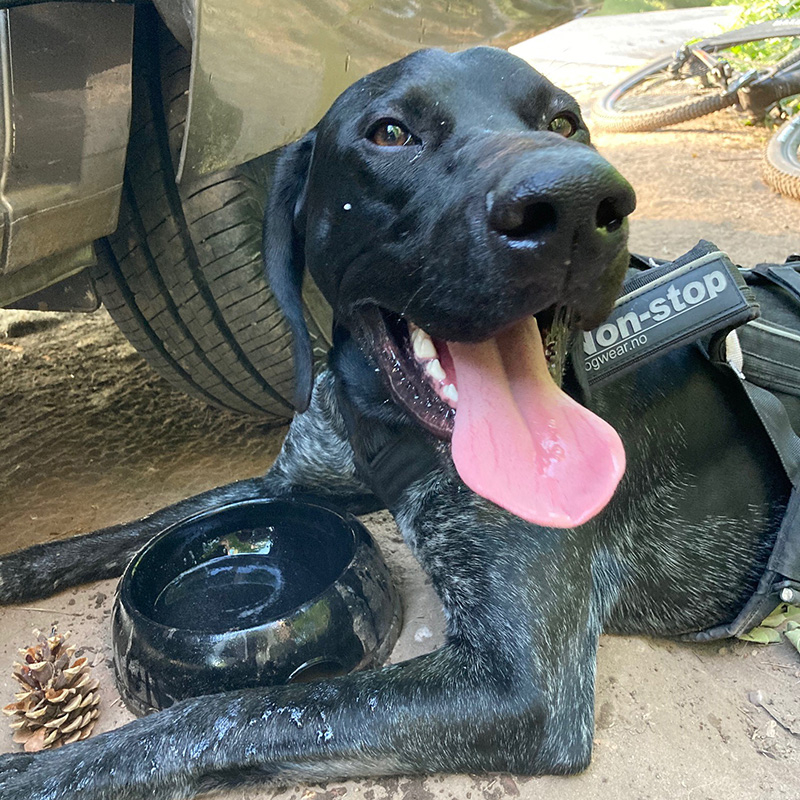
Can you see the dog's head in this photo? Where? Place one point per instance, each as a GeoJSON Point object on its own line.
{"type": "Point", "coordinates": [443, 200]}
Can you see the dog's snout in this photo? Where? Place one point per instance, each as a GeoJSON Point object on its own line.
{"type": "Point", "coordinates": [571, 195]}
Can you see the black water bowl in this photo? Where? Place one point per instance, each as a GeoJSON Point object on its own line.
{"type": "Point", "coordinates": [255, 593]}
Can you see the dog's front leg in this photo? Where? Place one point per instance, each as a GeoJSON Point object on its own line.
{"type": "Point", "coordinates": [511, 691]}
{"type": "Point", "coordinates": [452, 711]}
{"type": "Point", "coordinates": [441, 712]}
{"type": "Point", "coordinates": [316, 457]}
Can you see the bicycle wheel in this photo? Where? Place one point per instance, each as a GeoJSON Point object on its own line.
{"type": "Point", "coordinates": [653, 98]}
{"type": "Point", "coordinates": [781, 165]}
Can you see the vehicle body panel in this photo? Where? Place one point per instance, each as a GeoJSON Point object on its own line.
{"type": "Point", "coordinates": [263, 73]}
{"type": "Point", "coordinates": [66, 101]}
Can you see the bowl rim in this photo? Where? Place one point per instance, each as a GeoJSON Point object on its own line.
{"type": "Point", "coordinates": [361, 539]}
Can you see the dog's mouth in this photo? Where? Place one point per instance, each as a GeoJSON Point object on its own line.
{"type": "Point", "coordinates": [420, 369]}
{"type": "Point", "coordinates": [517, 438]}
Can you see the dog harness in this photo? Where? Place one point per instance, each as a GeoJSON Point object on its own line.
{"type": "Point", "coordinates": [744, 321]}
{"type": "Point", "coordinates": [765, 355]}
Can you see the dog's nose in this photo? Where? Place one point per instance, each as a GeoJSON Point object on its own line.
{"type": "Point", "coordinates": [567, 193]}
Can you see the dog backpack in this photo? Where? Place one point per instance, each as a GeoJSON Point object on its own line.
{"type": "Point", "coordinates": [746, 321]}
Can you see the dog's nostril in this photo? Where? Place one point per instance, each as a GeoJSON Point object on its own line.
{"type": "Point", "coordinates": [528, 221]}
{"type": "Point", "coordinates": [608, 216]}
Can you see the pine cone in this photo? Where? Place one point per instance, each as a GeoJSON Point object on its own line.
{"type": "Point", "coordinates": [59, 698]}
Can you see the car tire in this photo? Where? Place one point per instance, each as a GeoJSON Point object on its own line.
{"type": "Point", "coordinates": [183, 276]}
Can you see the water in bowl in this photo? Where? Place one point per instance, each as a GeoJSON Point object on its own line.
{"type": "Point", "coordinates": [236, 590]}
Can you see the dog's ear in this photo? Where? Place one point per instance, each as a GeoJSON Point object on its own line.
{"type": "Point", "coordinates": [284, 255]}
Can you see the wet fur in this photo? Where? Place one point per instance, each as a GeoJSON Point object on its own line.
{"type": "Point", "coordinates": [680, 548]}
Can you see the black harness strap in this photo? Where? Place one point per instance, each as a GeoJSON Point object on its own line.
{"type": "Point", "coordinates": [783, 567]}
{"type": "Point", "coordinates": [405, 458]}
{"type": "Point", "coordinates": [667, 306]}
{"type": "Point", "coordinates": [388, 458]}
{"type": "Point", "coordinates": [784, 276]}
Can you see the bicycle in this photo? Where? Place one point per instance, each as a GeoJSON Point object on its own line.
{"type": "Point", "coordinates": [699, 79]}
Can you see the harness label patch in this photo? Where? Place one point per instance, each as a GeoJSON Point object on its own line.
{"type": "Point", "coordinates": [677, 307]}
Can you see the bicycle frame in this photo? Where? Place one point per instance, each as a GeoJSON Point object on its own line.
{"type": "Point", "coordinates": [717, 68]}
{"type": "Point", "coordinates": [756, 90]}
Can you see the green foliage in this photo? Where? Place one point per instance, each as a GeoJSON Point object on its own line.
{"type": "Point", "coordinates": [793, 634]}
{"type": "Point", "coordinates": [634, 6]}
{"type": "Point", "coordinates": [761, 635]}
{"type": "Point", "coordinates": [776, 618]}
{"type": "Point", "coordinates": [763, 10]}
{"type": "Point", "coordinates": [767, 632]}
{"type": "Point", "coordinates": [767, 51]}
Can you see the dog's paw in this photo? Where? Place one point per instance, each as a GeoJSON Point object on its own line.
{"type": "Point", "coordinates": [15, 577]}
{"type": "Point", "coordinates": [125, 764]}
{"type": "Point", "coordinates": [14, 763]}
{"type": "Point", "coordinates": [63, 774]}
{"type": "Point", "coordinates": [12, 579]}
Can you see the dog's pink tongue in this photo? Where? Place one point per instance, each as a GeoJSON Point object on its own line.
{"type": "Point", "coordinates": [521, 442]}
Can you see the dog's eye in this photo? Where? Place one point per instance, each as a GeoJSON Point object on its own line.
{"type": "Point", "coordinates": [564, 124]}
{"type": "Point", "coordinates": [388, 133]}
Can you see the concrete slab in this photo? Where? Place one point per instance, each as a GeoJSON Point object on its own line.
{"type": "Point", "coordinates": [626, 39]}
{"type": "Point", "coordinates": [589, 52]}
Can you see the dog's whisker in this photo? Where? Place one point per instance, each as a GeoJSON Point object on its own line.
{"type": "Point", "coordinates": [414, 296]}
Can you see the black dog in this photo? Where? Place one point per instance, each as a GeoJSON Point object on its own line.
{"type": "Point", "coordinates": [457, 194]}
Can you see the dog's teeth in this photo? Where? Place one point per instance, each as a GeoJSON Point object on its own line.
{"type": "Point", "coordinates": [450, 392]}
{"type": "Point", "coordinates": [434, 369]}
{"type": "Point", "coordinates": [423, 345]}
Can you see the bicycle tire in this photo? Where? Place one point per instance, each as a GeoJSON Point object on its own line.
{"type": "Point", "coordinates": [182, 276]}
{"type": "Point", "coordinates": [781, 165]}
{"type": "Point", "coordinates": [607, 116]}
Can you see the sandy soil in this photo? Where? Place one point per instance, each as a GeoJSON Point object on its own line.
{"type": "Point", "coordinates": [89, 436]}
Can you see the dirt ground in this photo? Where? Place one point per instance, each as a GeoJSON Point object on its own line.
{"type": "Point", "coordinates": [89, 436]}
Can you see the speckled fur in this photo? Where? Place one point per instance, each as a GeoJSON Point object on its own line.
{"type": "Point", "coordinates": [679, 548]}
{"type": "Point", "coordinates": [512, 690]}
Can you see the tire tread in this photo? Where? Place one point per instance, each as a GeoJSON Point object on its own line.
{"type": "Point", "coordinates": [183, 274]}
